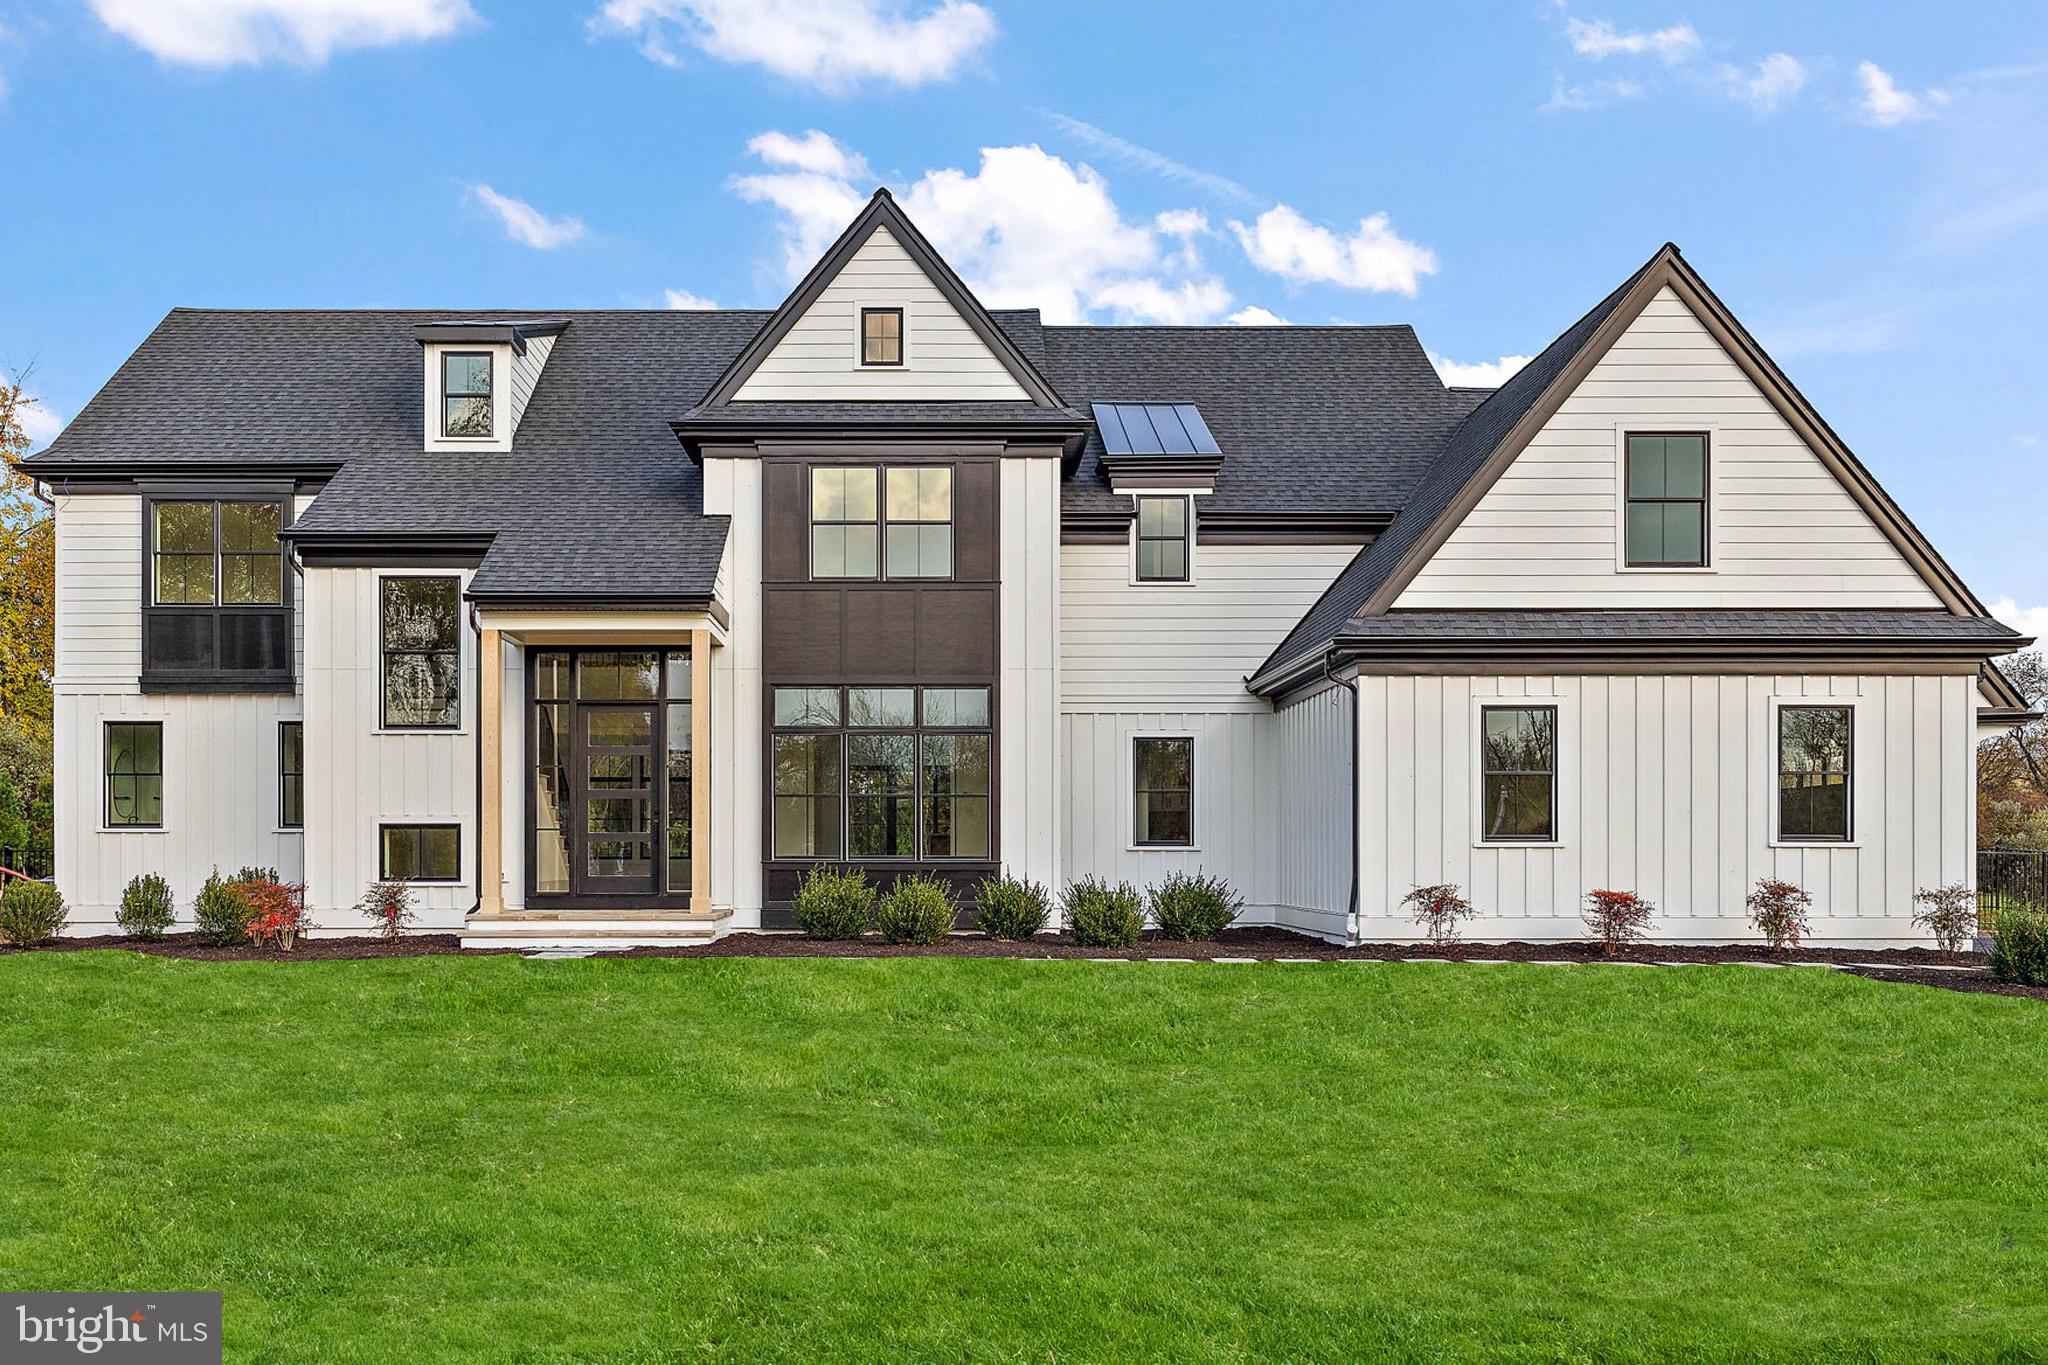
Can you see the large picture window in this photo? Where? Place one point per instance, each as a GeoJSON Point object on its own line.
{"type": "Point", "coordinates": [1666, 500]}
{"type": "Point", "coordinates": [135, 774]}
{"type": "Point", "coordinates": [1518, 774]}
{"type": "Point", "coordinates": [872, 523]}
{"type": "Point", "coordinates": [882, 773]}
{"type": "Point", "coordinates": [419, 853]}
{"type": "Point", "coordinates": [1163, 790]}
{"type": "Point", "coordinates": [216, 553]}
{"type": "Point", "coordinates": [420, 626]}
{"type": "Point", "coordinates": [1816, 761]}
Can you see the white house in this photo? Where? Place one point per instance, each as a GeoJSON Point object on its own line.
{"type": "Point", "coordinates": [604, 626]}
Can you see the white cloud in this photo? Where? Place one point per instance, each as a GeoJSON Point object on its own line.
{"type": "Point", "coordinates": [1251, 315]}
{"type": "Point", "coordinates": [1885, 105]}
{"type": "Point", "coordinates": [39, 422]}
{"type": "Point", "coordinates": [817, 152]}
{"type": "Point", "coordinates": [218, 33]}
{"type": "Point", "coordinates": [1843, 336]}
{"type": "Point", "coordinates": [2027, 620]}
{"type": "Point", "coordinates": [1026, 229]}
{"type": "Point", "coordinates": [1775, 83]}
{"type": "Point", "coordinates": [2027, 440]}
{"type": "Point", "coordinates": [1478, 374]}
{"type": "Point", "coordinates": [833, 45]}
{"type": "Point", "coordinates": [1585, 95]}
{"type": "Point", "coordinates": [526, 224]}
{"type": "Point", "coordinates": [1375, 257]}
{"type": "Point", "coordinates": [1598, 39]}
{"type": "Point", "coordinates": [684, 299]}
{"type": "Point", "coordinates": [1158, 163]}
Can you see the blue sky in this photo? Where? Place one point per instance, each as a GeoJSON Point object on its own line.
{"type": "Point", "coordinates": [1866, 185]}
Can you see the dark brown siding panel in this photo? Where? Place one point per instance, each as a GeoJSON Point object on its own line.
{"type": "Point", "coordinates": [800, 631]}
{"type": "Point", "coordinates": [974, 522]}
{"type": "Point", "coordinates": [956, 633]}
{"type": "Point", "coordinates": [784, 522]}
{"type": "Point", "coordinates": [881, 633]}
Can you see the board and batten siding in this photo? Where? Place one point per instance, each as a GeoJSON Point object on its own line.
{"type": "Point", "coordinates": [1148, 659]}
{"type": "Point", "coordinates": [818, 359]}
{"type": "Point", "coordinates": [220, 751]}
{"type": "Point", "coordinates": [1305, 820]}
{"type": "Point", "coordinates": [1783, 532]}
{"type": "Point", "coordinates": [1666, 788]}
{"type": "Point", "coordinates": [359, 776]}
{"type": "Point", "coordinates": [1028, 726]}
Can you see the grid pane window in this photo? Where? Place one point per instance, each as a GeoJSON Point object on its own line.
{"type": "Point", "coordinates": [421, 623]}
{"type": "Point", "coordinates": [1163, 773]}
{"type": "Point", "coordinates": [419, 853]}
{"type": "Point", "coordinates": [956, 795]}
{"type": "Point", "coordinates": [920, 517]}
{"type": "Point", "coordinates": [1518, 773]}
{"type": "Point", "coordinates": [965, 707]}
{"type": "Point", "coordinates": [881, 336]}
{"type": "Point", "coordinates": [681, 743]}
{"type": "Point", "coordinates": [801, 706]}
{"type": "Point", "coordinates": [881, 707]}
{"type": "Point", "coordinates": [806, 799]}
{"type": "Point", "coordinates": [466, 393]}
{"type": "Point", "coordinates": [1815, 770]}
{"type": "Point", "coordinates": [203, 553]}
{"type": "Point", "coordinates": [1666, 501]}
{"type": "Point", "coordinates": [184, 553]}
{"type": "Point", "coordinates": [845, 530]}
{"type": "Point", "coordinates": [251, 560]}
{"type": "Point", "coordinates": [291, 775]}
{"type": "Point", "coordinates": [135, 774]}
{"type": "Point", "coordinates": [881, 778]}
{"type": "Point", "coordinates": [551, 745]}
{"type": "Point", "coordinates": [1162, 540]}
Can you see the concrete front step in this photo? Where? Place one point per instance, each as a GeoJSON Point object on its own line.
{"type": "Point", "coordinates": [601, 929]}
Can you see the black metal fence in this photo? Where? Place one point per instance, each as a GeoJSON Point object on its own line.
{"type": "Point", "coordinates": [29, 862]}
{"type": "Point", "coordinates": [2011, 876]}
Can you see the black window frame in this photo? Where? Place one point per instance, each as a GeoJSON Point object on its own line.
{"type": "Point", "coordinates": [1847, 772]}
{"type": "Point", "coordinates": [107, 774]}
{"type": "Point", "coordinates": [385, 652]}
{"type": "Point", "coordinates": [1550, 833]}
{"type": "Point", "coordinates": [419, 828]}
{"type": "Point", "coordinates": [882, 522]}
{"type": "Point", "coordinates": [490, 395]}
{"type": "Point", "coordinates": [291, 781]}
{"type": "Point", "coordinates": [215, 646]}
{"type": "Point", "coordinates": [897, 363]}
{"type": "Point", "coordinates": [218, 555]}
{"type": "Point", "coordinates": [1704, 501]}
{"type": "Point", "coordinates": [1186, 538]}
{"type": "Point", "coordinates": [1138, 832]}
{"type": "Point", "coordinates": [890, 522]}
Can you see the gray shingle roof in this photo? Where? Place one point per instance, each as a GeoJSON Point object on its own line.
{"type": "Point", "coordinates": [1702, 625]}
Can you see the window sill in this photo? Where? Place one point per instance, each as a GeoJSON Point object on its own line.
{"type": "Point", "coordinates": [1163, 583]}
{"type": "Point", "coordinates": [1518, 843]}
{"type": "Point", "coordinates": [1823, 845]}
{"type": "Point", "coordinates": [1667, 568]}
{"type": "Point", "coordinates": [131, 829]}
{"type": "Point", "coordinates": [1162, 848]}
{"type": "Point", "coordinates": [459, 733]}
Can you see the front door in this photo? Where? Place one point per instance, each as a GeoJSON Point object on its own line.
{"type": "Point", "coordinates": [615, 797]}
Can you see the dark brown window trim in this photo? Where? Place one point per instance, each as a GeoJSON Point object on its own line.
{"type": "Point", "coordinates": [895, 364]}
{"type": "Point", "coordinates": [1186, 539]}
{"type": "Point", "coordinates": [1848, 834]}
{"type": "Point", "coordinates": [419, 828]}
{"type": "Point", "coordinates": [1549, 835]}
{"type": "Point", "coordinates": [384, 721]}
{"type": "Point", "coordinates": [286, 776]}
{"type": "Point", "coordinates": [881, 522]}
{"type": "Point", "coordinates": [1705, 501]}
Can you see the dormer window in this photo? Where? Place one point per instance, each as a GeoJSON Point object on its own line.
{"type": "Point", "coordinates": [881, 336]}
{"type": "Point", "coordinates": [466, 394]}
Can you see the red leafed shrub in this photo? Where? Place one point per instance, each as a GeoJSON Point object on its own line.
{"type": "Point", "coordinates": [277, 910]}
{"type": "Point", "coordinates": [1778, 910]}
{"type": "Point", "coordinates": [1617, 918]}
{"type": "Point", "coordinates": [1438, 909]}
{"type": "Point", "coordinates": [1947, 912]}
{"type": "Point", "coordinates": [388, 905]}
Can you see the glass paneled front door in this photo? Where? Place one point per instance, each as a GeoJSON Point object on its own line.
{"type": "Point", "coordinates": [610, 800]}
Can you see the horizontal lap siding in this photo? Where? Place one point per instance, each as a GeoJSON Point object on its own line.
{"type": "Point", "coordinates": [1665, 789]}
{"type": "Point", "coordinates": [816, 360]}
{"type": "Point", "coordinates": [1785, 533]}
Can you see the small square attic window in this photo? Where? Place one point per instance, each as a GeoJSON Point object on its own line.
{"type": "Point", "coordinates": [466, 393]}
{"type": "Point", "coordinates": [881, 336]}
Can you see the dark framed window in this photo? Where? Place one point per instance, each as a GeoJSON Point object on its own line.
{"type": "Point", "coordinates": [881, 336]}
{"type": "Point", "coordinates": [1518, 774]}
{"type": "Point", "coordinates": [1163, 783]}
{"type": "Point", "coordinates": [216, 553]}
{"type": "Point", "coordinates": [1666, 500]}
{"type": "Point", "coordinates": [1816, 773]}
{"type": "Point", "coordinates": [420, 622]}
{"type": "Point", "coordinates": [882, 772]}
{"type": "Point", "coordinates": [291, 774]}
{"type": "Point", "coordinates": [466, 393]}
{"type": "Point", "coordinates": [1163, 540]}
{"type": "Point", "coordinates": [845, 522]}
{"type": "Point", "coordinates": [419, 853]}
{"type": "Point", "coordinates": [874, 523]}
{"type": "Point", "coordinates": [135, 774]}
{"type": "Point", "coordinates": [919, 514]}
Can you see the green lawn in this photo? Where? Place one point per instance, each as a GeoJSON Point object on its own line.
{"type": "Point", "coordinates": [489, 1158]}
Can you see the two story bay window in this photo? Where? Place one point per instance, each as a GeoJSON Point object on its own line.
{"type": "Point", "coordinates": [1518, 774]}
{"type": "Point", "coordinates": [882, 773]}
{"type": "Point", "coordinates": [1816, 760]}
{"type": "Point", "coordinates": [875, 523]}
{"type": "Point", "coordinates": [420, 630]}
{"type": "Point", "coordinates": [217, 603]}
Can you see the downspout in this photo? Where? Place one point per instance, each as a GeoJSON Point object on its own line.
{"type": "Point", "coordinates": [1350, 685]}
{"type": "Point", "coordinates": [477, 802]}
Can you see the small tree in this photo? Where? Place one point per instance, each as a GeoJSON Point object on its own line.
{"type": "Point", "coordinates": [1439, 909]}
{"type": "Point", "coordinates": [1947, 912]}
{"type": "Point", "coordinates": [1778, 910]}
{"type": "Point", "coordinates": [389, 906]}
{"type": "Point", "coordinates": [1617, 918]}
{"type": "Point", "coordinates": [146, 907]}
{"type": "Point", "coordinates": [277, 910]}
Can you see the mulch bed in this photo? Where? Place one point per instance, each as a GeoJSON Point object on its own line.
{"type": "Point", "coordinates": [1258, 943]}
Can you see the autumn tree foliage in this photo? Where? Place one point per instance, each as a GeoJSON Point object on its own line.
{"type": "Point", "coordinates": [2012, 769]}
{"type": "Point", "coordinates": [28, 599]}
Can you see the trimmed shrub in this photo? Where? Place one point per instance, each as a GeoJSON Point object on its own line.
{"type": "Point", "coordinates": [1439, 910]}
{"type": "Point", "coordinates": [1617, 918]}
{"type": "Point", "coordinates": [146, 907]}
{"type": "Point", "coordinates": [1006, 907]}
{"type": "Point", "coordinates": [833, 904]}
{"type": "Point", "coordinates": [254, 874]}
{"type": "Point", "coordinates": [219, 915]}
{"type": "Point", "coordinates": [915, 910]}
{"type": "Point", "coordinates": [1947, 912]}
{"type": "Point", "coordinates": [1778, 910]}
{"type": "Point", "coordinates": [1104, 914]}
{"type": "Point", "coordinates": [277, 910]}
{"type": "Point", "coordinates": [31, 913]}
{"type": "Point", "coordinates": [1189, 905]}
{"type": "Point", "coordinates": [388, 904]}
{"type": "Point", "coordinates": [2019, 945]}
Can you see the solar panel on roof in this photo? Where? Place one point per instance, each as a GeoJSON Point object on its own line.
{"type": "Point", "coordinates": [1154, 429]}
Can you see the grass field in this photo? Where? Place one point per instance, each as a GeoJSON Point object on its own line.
{"type": "Point", "coordinates": [489, 1158]}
